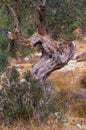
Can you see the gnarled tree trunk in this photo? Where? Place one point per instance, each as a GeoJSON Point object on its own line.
{"type": "Point", "coordinates": [54, 55]}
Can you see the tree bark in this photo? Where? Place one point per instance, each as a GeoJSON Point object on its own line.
{"type": "Point", "coordinates": [54, 55]}
{"type": "Point", "coordinates": [18, 9]}
{"type": "Point", "coordinates": [42, 17]}
{"type": "Point", "coordinates": [16, 21]}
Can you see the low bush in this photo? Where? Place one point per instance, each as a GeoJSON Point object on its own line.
{"type": "Point", "coordinates": [28, 99]}
{"type": "Point", "coordinates": [3, 62]}
{"type": "Point", "coordinates": [3, 53]}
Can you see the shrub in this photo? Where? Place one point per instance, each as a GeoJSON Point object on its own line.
{"type": "Point", "coordinates": [28, 100]}
{"type": "Point", "coordinates": [3, 62]}
{"type": "Point", "coordinates": [3, 53]}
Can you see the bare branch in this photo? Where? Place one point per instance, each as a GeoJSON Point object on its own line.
{"type": "Point", "coordinates": [38, 6]}
{"type": "Point", "coordinates": [16, 21]}
{"type": "Point", "coordinates": [17, 38]}
{"type": "Point", "coordinates": [44, 2]}
{"type": "Point", "coordinates": [72, 50]}
{"type": "Point", "coordinates": [35, 5]}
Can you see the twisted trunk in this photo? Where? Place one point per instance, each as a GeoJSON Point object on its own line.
{"type": "Point", "coordinates": [54, 55]}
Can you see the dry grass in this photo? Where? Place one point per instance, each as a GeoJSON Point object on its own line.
{"type": "Point", "coordinates": [83, 81]}
{"type": "Point", "coordinates": [75, 101]}
{"type": "Point", "coordinates": [27, 126]}
{"type": "Point", "coordinates": [69, 125]}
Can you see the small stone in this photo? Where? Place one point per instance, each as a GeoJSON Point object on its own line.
{"type": "Point", "coordinates": [56, 114]}
{"type": "Point", "coordinates": [26, 58]}
{"type": "Point", "coordinates": [1, 87]}
{"type": "Point", "coordinates": [23, 80]}
{"type": "Point", "coordinates": [18, 69]}
{"type": "Point", "coordinates": [68, 68]}
{"type": "Point", "coordinates": [38, 54]}
{"type": "Point", "coordinates": [79, 127]}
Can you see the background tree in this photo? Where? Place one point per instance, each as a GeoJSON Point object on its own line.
{"type": "Point", "coordinates": [53, 56]}
{"type": "Point", "coordinates": [63, 16]}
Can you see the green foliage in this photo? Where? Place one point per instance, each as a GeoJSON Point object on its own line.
{"type": "Point", "coordinates": [23, 51]}
{"type": "Point", "coordinates": [3, 53]}
{"type": "Point", "coordinates": [28, 99]}
{"type": "Point", "coordinates": [63, 17]}
{"type": "Point", "coordinates": [3, 62]}
{"type": "Point", "coordinates": [13, 75]}
{"type": "Point", "coordinates": [27, 75]}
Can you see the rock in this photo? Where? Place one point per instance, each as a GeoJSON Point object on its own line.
{"type": "Point", "coordinates": [69, 76]}
{"type": "Point", "coordinates": [68, 68]}
{"type": "Point", "coordinates": [1, 87]}
{"type": "Point", "coordinates": [56, 114]}
{"type": "Point", "coordinates": [26, 58]}
{"type": "Point", "coordinates": [18, 69]}
{"type": "Point", "coordinates": [79, 127]}
{"type": "Point", "coordinates": [23, 80]}
{"type": "Point", "coordinates": [37, 54]}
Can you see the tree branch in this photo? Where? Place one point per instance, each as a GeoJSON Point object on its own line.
{"type": "Point", "coordinates": [42, 17]}
{"type": "Point", "coordinates": [17, 38]}
{"type": "Point", "coordinates": [54, 55]}
{"type": "Point", "coordinates": [43, 2]}
{"type": "Point", "coordinates": [16, 21]}
{"type": "Point", "coordinates": [35, 5]}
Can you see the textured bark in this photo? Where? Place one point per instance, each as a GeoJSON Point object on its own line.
{"type": "Point", "coordinates": [15, 37]}
{"type": "Point", "coordinates": [54, 55]}
{"type": "Point", "coordinates": [18, 8]}
{"type": "Point", "coordinates": [16, 21]}
{"type": "Point", "coordinates": [42, 17]}
{"type": "Point", "coordinates": [42, 30]}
